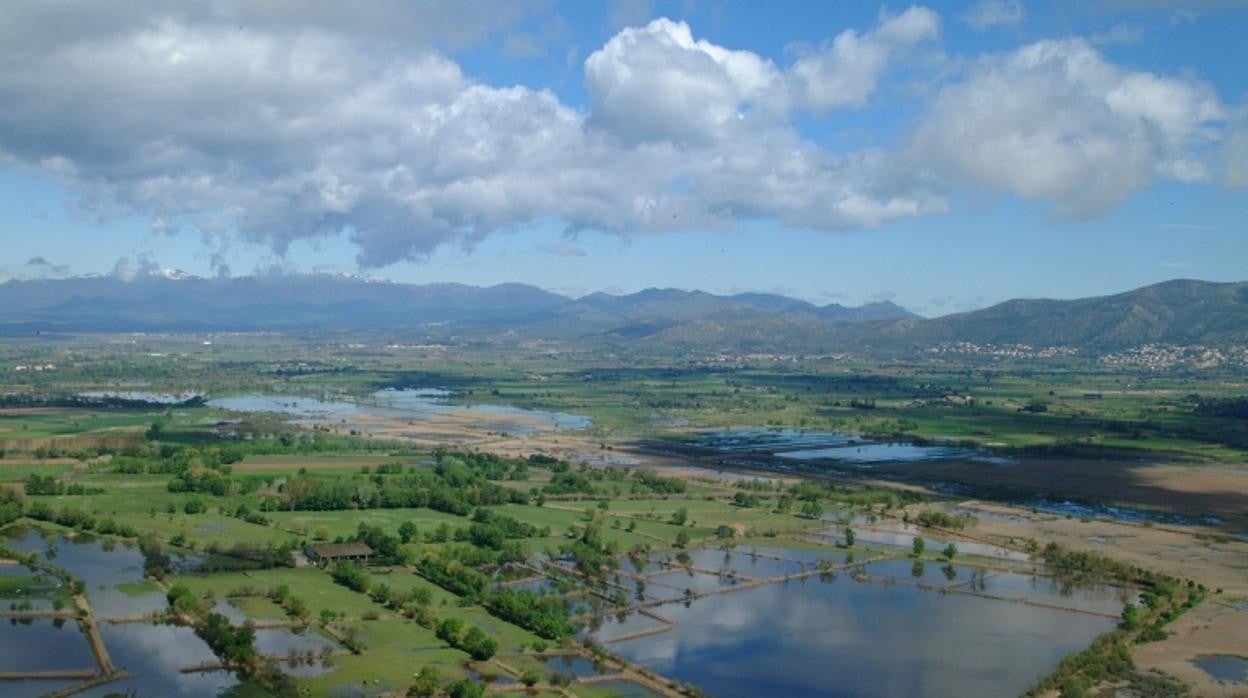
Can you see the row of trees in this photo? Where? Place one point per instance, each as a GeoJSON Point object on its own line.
{"type": "Point", "coordinates": [79, 519]}
{"type": "Point", "coordinates": [50, 485]}
{"type": "Point", "coordinates": [939, 519]}
{"type": "Point", "coordinates": [546, 616]}
{"type": "Point", "coordinates": [475, 642]}
{"type": "Point", "coordinates": [453, 568]}
{"type": "Point", "coordinates": [453, 491]}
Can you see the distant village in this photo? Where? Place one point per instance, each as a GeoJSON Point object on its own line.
{"type": "Point", "coordinates": [1148, 356]}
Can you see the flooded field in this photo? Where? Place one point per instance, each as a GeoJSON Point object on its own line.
{"type": "Point", "coordinates": [1224, 668]}
{"type": "Point", "coordinates": [112, 575]}
{"type": "Point", "coordinates": [894, 627]}
{"type": "Point", "coordinates": [112, 572]}
{"type": "Point", "coordinates": [1117, 513]}
{"type": "Point", "coordinates": [156, 654]}
{"type": "Point", "coordinates": [893, 533]}
{"type": "Point", "coordinates": [416, 405]}
{"type": "Point", "coordinates": [1116, 488]}
{"type": "Point", "coordinates": [834, 447]}
{"type": "Point", "coordinates": [25, 643]}
{"type": "Point", "coordinates": [776, 620]}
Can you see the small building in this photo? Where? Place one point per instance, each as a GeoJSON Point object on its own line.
{"type": "Point", "coordinates": [326, 553]}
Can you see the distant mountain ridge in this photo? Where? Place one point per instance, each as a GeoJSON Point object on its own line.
{"type": "Point", "coordinates": [1180, 312]}
{"type": "Point", "coordinates": [1174, 312]}
{"type": "Point", "coordinates": [158, 302]}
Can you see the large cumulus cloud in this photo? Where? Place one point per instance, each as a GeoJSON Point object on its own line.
{"type": "Point", "coordinates": [658, 83]}
{"type": "Point", "coordinates": [1055, 121]}
{"type": "Point", "coordinates": [277, 122]}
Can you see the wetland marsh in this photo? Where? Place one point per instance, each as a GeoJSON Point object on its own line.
{"type": "Point", "coordinates": [712, 558]}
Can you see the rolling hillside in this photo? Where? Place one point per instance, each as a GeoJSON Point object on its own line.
{"type": "Point", "coordinates": [1173, 312]}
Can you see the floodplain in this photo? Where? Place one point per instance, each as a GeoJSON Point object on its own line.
{"type": "Point", "coordinates": [608, 533]}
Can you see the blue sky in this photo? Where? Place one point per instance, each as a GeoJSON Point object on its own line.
{"type": "Point", "coordinates": [944, 156]}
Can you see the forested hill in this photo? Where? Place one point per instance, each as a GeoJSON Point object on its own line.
{"type": "Point", "coordinates": [159, 303]}
{"type": "Point", "coordinates": [1174, 312]}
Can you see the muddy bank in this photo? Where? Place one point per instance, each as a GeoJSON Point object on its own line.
{"type": "Point", "coordinates": [1201, 494]}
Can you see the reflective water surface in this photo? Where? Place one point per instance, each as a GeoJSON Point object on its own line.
{"type": "Point", "coordinates": [411, 404]}
{"type": "Point", "coordinates": [835, 636]}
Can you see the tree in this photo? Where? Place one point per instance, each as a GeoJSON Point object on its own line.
{"type": "Point", "coordinates": [918, 546]}
{"type": "Point", "coordinates": [1130, 617]}
{"type": "Point", "coordinates": [476, 643]}
{"type": "Point", "coordinates": [426, 683]}
{"type": "Point", "coordinates": [407, 531]}
{"type": "Point", "coordinates": [746, 499]}
{"type": "Point", "coordinates": [950, 551]}
{"type": "Point", "coordinates": [441, 534]}
{"type": "Point", "coordinates": [351, 576]}
{"type": "Point", "coordinates": [465, 688]}
{"type": "Point", "coordinates": [849, 537]}
{"type": "Point", "coordinates": [449, 630]}
{"type": "Point", "coordinates": [680, 516]}
{"type": "Point", "coordinates": [682, 539]}
{"type": "Point", "coordinates": [812, 510]}
{"type": "Point", "coordinates": [421, 596]}
{"type": "Point", "coordinates": [1073, 687]}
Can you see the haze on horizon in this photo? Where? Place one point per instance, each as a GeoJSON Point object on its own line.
{"type": "Point", "coordinates": [944, 156]}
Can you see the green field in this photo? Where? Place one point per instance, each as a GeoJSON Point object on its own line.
{"type": "Point", "coordinates": [630, 396]}
{"type": "Point", "coordinates": [249, 493]}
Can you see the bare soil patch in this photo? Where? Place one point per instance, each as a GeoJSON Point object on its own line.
{"type": "Point", "coordinates": [1189, 552]}
{"type": "Point", "coordinates": [1188, 490]}
{"type": "Point", "coordinates": [1212, 628]}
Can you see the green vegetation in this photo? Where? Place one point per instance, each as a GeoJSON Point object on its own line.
{"type": "Point", "coordinates": [964, 397]}
{"type": "Point", "coordinates": [234, 645]}
{"type": "Point", "coordinates": [1164, 599]}
{"type": "Point", "coordinates": [451, 528]}
{"type": "Point", "coordinates": [1108, 660]}
{"type": "Point", "coordinates": [375, 610]}
{"type": "Point", "coordinates": [939, 519]}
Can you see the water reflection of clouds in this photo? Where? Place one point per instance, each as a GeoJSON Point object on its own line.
{"type": "Point", "coordinates": [420, 404]}
{"type": "Point", "coordinates": [24, 645]}
{"type": "Point", "coordinates": [157, 652]}
{"type": "Point", "coordinates": [861, 639]}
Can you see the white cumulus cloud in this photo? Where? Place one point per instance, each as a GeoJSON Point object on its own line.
{"type": "Point", "coordinates": [285, 121]}
{"type": "Point", "coordinates": [845, 72]}
{"type": "Point", "coordinates": [1056, 121]}
{"type": "Point", "coordinates": [658, 83]}
{"type": "Point", "coordinates": [283, 132]}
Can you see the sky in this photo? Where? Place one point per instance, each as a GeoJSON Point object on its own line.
{"type": "Point", "coordinates": [943, 156]}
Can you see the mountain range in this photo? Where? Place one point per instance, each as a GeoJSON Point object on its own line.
{"type": "Point", "coordinates": [1174, 312]}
